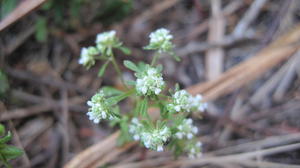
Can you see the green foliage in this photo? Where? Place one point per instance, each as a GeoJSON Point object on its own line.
{"type": "Point", "coordinates": [41, 29]}
{"type": "Point", "coordinates": [6, 6]}
{"type": "Point", "coordinates": [130, 65]}
{"type": "Point", "coordinates": [103, 68]}
{"type": "Point", "coordinates": [7, 152]}
{"type": "Point", "coordinates": [116, 99]}
{"type": "Point", "coordinates": [4, 85]}
{"type": "Point", "coordinates": [107, 13]}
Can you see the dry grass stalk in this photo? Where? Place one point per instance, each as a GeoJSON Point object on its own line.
{"type": "Point", "coordinates": [23, 9]}
{"type": "Point", "coordinates": [215, 56]}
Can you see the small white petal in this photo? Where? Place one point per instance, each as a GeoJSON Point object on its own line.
{"type": "Point", "coordinates": [160, 149]}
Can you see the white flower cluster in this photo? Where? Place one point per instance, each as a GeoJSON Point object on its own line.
{"type": "Point", "coordinates": [161, 40]}
{"type": "Point", "coordinates": [186, 129]}
{"type": "Point", "coordinates": [104, 43]}
{"type": "Point", "coordinates": [182, 101]}
{"type": "Point", "coordinates": [98, 108]}
{"type": "Point", "coordinates": [151, 138]}
{"type": "Point", "coordinates": [135, 128]}
{"type": "Point", "coordinates": [150, 83]}
{"type": "Point", "coordinates": [156, 138]}
{"type": "Point", "coordinates": [87, 56]}
{"type": "Point", "coordinates": [195, 150]}
{"type": "Point", "coordinates": [105, 39]}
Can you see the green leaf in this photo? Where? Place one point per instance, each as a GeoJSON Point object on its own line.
{"type": "Point", "coordinates": [116, 99]}
{"type": "Point", "coordinates": [130, 65]}
{"type": "Point", "coordinates": [125, 50]}
{"type": "Point", "coordinates": [136, 110]}
{"type": "Point", "coordinates": [6, 138]}
{"type": "Point", "coordinates": [130, 82]}
{"type": "Point", "coordinates": [103, 68]}
{"type": "Point", "coordinates": [124, 136]}
{"type": "Point", "coordinates": [10, 152]}
{"type": "Point", "coordinates": [159, 68]}
{"type": "Point", "coordinates": [111, 91]}
{"type": "Point", "coordinates": [2, 130]}
{"type": "Point", "coordinates": [6, 7]}
{"type": "Point", "coordinates": [144, 108]}
{"type": "Point", "coordinates": [176, 57]}
{"type": "Point", "coordinates": [41, 29]}
{"type": "Point", "coordinates": [4, 85]}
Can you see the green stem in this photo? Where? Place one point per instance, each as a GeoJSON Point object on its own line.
{"type": "Point", "coordinates": [155, 57]}
{"type": "Point", "coordinates": [117, 68]}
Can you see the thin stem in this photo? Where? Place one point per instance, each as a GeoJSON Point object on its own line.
{"type": "Point", "coordinates": [117, 68]}
{"type": "Point", "coordinates": [155, 57]}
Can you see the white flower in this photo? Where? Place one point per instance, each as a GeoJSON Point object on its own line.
{"type": "Point", "coordinates": [182, 101]}
{"type": "Point", "coordinates": [150, 83]}
{"type": "Point", "coordinates": [196, 103]}
{"type": "Point", "coordinates": [194, 150]}
{"type": "Point", "coordinates": [155, 138]}
{"type": "Point", "coordinates": [160, 40]}
{"type": "Point", "coordinates": [106, 41]}
{"type": "Point", "coordinates": [135, 128]}
{"type": "Point", "coordinates": [98, 108]}
{"type": "Point", "coordinates": [186, 129]}
{"type": "Point", "coordinates": [106, 37]}
{"type": "Point", "coordinates": [87, 56]}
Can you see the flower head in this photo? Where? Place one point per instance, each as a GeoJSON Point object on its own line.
{"type": "Point", "coordinates": [160, 40]}
{"type": "Point", "coordinates": [135, 128]}
{"type": "Point", "coordinates": [154, 139]}
{"type": "Point", "coordinates": [99, 108]}
{"type": "Point", "coordinates": [182, 101]}
{"type": "Point", "coordinates": [150, 82]}
{"type": "Point", "coordinates": [186, 129]}
{"type": "Point", "coordinates": [194, 150]}
{"type": "Point", "coordinates": [106, 41]}
{"type": "Point", "coordinates": [87, 56]}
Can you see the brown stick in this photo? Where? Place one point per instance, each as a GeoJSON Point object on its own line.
{"type": "Point", "coordinates": [214, 57]}
{"type": "Point", "coordinates": [23, 9]}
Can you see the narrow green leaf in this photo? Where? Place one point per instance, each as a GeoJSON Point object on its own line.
{"type": "Point", "coordinates": [130, 82]}
{"type": "Point", "coordinates": [159, 68]}
{"type": "Point", "coordinates": [103, 68]}
{"type": "Point", "coordinates": [6, 138]}
{"type": "Point", "coordinates": [144, 108]}
{"type": "Point", "coordinates": [116, 99]}
{"type": "Point", "coordinates": [176, 57]}
{"type": "Point", "coordinates": [130, 65]}
{"type": "Point", "coordinates": [4, 85]}
{"type": "Point", "coordinates": [41, 29]}
{"type": "Point", "coordinates": [111, 91]}
{"type": "Point", "coordinates": [6, 7]}
{"type": "Point", "coordinates": [2, 130]}
{"type": "Point", "coordinates": [125, 50]}
{"type": "Point", "coordinates": [10, 152]}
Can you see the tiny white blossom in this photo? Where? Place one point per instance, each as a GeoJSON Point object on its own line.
{"type": "Point", "coordinates": [106, 41]}
{"type": "Point", "coordinates": [160, 40]}
{"type": "Point", "coordinates": [155, 139]}
{"type": "Point", "coordinates": [135, 129]}
{"type": "Point", "coordinates": [182, 101]}
{"type": "Point", "coordinates": [106, 37]}
{"type": "Point", "coordinates": [186, 129]}
{"type": "Point", "coordinates": [98, 108]}
{"type": "Point", "coordinates": [194, 150]}
{"type": "Point", "coordinates": [87, 56]}
{"type": "Point", "coordinates": [151, 82]}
